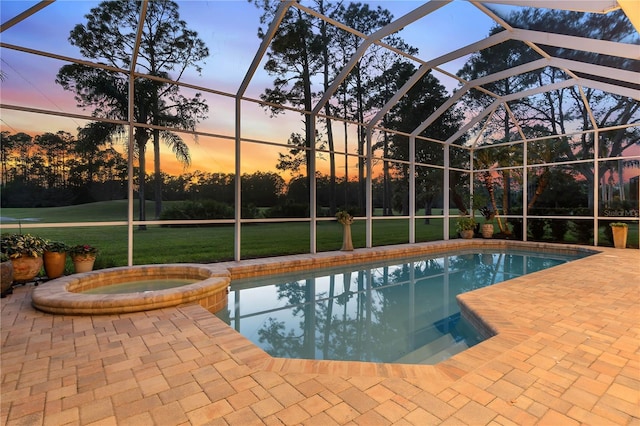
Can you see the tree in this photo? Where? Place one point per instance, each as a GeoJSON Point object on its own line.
{"type": "Point", "coordinates": [392, 76]}
{"type": "Point", "coordinates": [564, 109]}
{"type": "Point", "coordinates": [167, 45]}
{"type": "Point", "coordinates": [305, 47]}
{"type": "Point", "coordinates": [90, 139]}
{"type": "Point", "coordinates": [262, 188]}
{"type": "Point", "coordinates": [559, 111]}
{"type": "Point", "coordinates": [357, 99]}
{"type": "Point", "coordinates": [6, 146]}
{"type": "Point", "coordinates": [293, 59]}
{"type": "Point", "coordinates": [22, 145]}
{"type": "Point", "coordinates": [56, 169]}
{"type": "Point", "coordinates": [493, 59]}
{"type": "Point", "coordinates": [54, 147]}
{"type": "Point", "coordinates": [326, 35]}
{"type": "Point", "coordinates": [420, 101]}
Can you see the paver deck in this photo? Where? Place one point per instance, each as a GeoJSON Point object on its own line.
{"type": "Point", "coordinates": [567, 352]}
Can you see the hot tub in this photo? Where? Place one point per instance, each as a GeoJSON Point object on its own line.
{"type": "Point", "coordinates": [65, 295]}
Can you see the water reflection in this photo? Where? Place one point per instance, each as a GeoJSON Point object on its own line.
{"type": "Point", "coordinates": [395, 312]}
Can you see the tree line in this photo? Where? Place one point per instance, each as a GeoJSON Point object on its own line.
{"type": "Point", "coordinates": [54, 169]}
{"type": "Point", "coordinates": [57, 169]}
{"type": "Point", "coordinates": [306, 55]}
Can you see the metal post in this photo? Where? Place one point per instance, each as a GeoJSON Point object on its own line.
{"type": "Point", "coordinates": [412, 189]}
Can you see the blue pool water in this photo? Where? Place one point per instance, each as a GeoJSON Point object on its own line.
{"type": "Point", "coordinates": [402, 311]}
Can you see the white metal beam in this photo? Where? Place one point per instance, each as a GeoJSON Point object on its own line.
{"type": "Point", "coordinates": [603, 47]}
{"type": "Point", "coordinates": [530, 66]}
{"type": "Point", "coordinates": [463, 51]}
{"type": "Point", "coordinates": [598, 70]}
{"type": "Point", "coordinates": [464, 129]}
{"type": "Point", "coordinates": [593, 6]}
{"type": "Point", "coordinates": [266, 41]}
{"type": "Point", "coordinates": [391, 28]}
{"type": "Point", "coordinates": [610, 88]}
{"type": "Point", "coordinates": [537, 90]}
{"type": "Point", "coordinates": [24, 15]}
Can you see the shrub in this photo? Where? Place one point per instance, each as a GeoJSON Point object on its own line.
{"type": "Point", "coordinates": [197, 210]}
{"type": "Point", "coordinates": [583, 230]}
{"type": "Point", "coordinates": [17, 245]}
{"type": "Point", "coordinates": [56, 246]}
{"type": "Point", "coordinates": [558, 229]}
{"type": "Point", "coordinates": [83, 250]}
{"type": "Point", "coordinates": [465, 223]}
{"type": "Point", "coordinates": [537, 228]}
{"type": "Point", "coordinates": [288, 210]}
{"type": "Point", "coordinates": [250, 211]}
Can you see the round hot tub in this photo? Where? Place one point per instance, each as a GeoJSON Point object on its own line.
{"type": "Point", "coordinates": [82, 294]}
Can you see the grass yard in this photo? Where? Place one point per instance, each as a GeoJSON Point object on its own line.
{"type": "Point", "coordinates": [209, 244]}
{"type": "Point", "coordinates": [158, 244]}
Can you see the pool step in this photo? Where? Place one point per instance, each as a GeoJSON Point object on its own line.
{"type": "Point", "coordinates": [446, 353]}
{"type": "Point", "coordinates": [434, 352]}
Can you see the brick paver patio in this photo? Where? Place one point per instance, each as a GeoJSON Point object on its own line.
{"type": "Point", "coordinates": [567, 352]}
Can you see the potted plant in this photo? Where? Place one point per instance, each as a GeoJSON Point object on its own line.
{"type": "Point", "coordinates": [346, 219]}
{"type": "Point", "coordinates": [466, 226]}
{"type": "Point", "coordinates": [25, 252]}
{"type": "Point", "coordinates": [487, 227]}
{"type": "Point", "coordinates": [83, 256]}
{"type": "Point", "coordinates": [6, 274]}
{"type": "Point", "coordinates": [55, 258]}
{"type": "Point", "coordinates": [619, 230]}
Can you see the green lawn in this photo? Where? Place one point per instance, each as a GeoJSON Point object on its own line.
{"type": "Point", "coordinates": [202, 244]}
{"type": "Point", "coordinates": [209, 244]}
{"type": "Point", "coordinates": [104, 211]}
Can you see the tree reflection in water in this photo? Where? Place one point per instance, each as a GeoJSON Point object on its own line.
{"type": "Point", "coordinates": [379, 313]}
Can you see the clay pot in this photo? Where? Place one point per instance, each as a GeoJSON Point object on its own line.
{"type": "Point", "coordinates": [25, 268]}
{"type": "Point", "coordinates": [466, 233]}
{"type": "Point", "coordinates": [54, 263]}
{"type": "Point", "coordinates": [619, 236]}
{"type": "Point", "coordinates": [6, 277]}
{"type": "Point", "coordinates": [487, 230]}
{"type": "Point", "coordinates": [83, 263]}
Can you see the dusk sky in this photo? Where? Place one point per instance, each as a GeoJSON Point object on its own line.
{"type": "Point", "coordinates": [229, 29]}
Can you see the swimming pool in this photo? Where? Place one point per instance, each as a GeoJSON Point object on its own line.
{"type": "Point", "coordinates": [397, 311]}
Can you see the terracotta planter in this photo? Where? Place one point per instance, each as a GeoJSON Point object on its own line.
{"type": "Point", "coordinates": [466, 234]}
{"type": "Point", "coordinates": [487, 230]}
{"type": "Point", "coordinates": [347, 243]}
{"type": "Point", "coordinates": [619, 236]}
{"type": "Point", "coordinates": [25, 268]}
{"type": "Point", "coordinates": [6, 277]}
{"type": "Point", "coordinates": [54, 263]}
{"type": "Point", "coordinates": [83, 263]}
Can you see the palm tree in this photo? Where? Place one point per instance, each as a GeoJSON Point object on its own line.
{"type": "Point", "coordinates": [166, 45]}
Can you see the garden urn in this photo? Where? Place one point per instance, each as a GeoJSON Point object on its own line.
{"type": "Point", "coordinates": [619, 231]}
{"type": "Point", "coordinates": [83, 263]}
{"type": "Point", "coordinates": [25, 268]}
{"type": "Point", "coordinates": [6, 276]}
{"type": "Point", "coordinates": [487, 230]}
{"type": "Point", "coordinates": [54, 263]}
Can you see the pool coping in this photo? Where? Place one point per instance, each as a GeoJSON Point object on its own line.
{"type": "Point", "coordinates": [64, 295]}
{"type": "Point", "coordinates": [506, 335]}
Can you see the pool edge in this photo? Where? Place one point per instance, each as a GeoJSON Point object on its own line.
{"type": "Point", "coordinates": [506, 335]}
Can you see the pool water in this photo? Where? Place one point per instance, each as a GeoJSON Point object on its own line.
{"type": "Point", "coordinates": [140, 286]}
{"type": "Point", "coordinates": [400, 311]}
